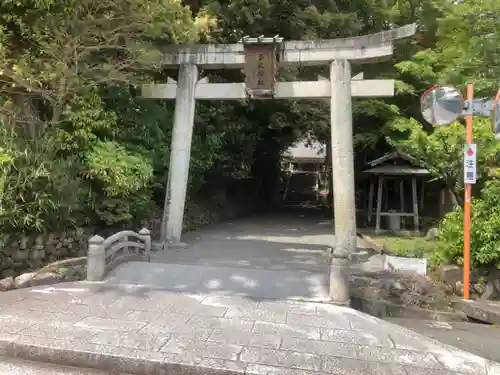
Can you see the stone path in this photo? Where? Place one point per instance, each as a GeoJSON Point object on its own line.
{"type": "Point", "coordinates": [272, 242]}
{"type": "Point", "coordinates": [270, 256]}
{"type": "Point", "coordinates": [254, 283]}
{"type": "Point", "coordinates": [141, 330]}
{"type": "Point", "coordinates": [243, 298]}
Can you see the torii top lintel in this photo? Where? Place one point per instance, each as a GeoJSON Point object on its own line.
{"type": "Point", "coordinates": [360, 49]}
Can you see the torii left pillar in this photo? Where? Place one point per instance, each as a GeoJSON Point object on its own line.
{"type": "Point", "coordinates": [180, 155]}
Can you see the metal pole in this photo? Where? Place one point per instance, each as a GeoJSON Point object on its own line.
{"type": "Point", "coordinates": [467, 195]}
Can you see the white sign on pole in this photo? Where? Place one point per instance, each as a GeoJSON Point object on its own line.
{"type": "Point", "coordinates": [470, 167]}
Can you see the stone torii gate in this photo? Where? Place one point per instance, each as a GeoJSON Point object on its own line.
{"type": "Point", "coordinates": [260, 58]}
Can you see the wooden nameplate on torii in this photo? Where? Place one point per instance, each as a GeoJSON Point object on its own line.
{"type": "Point", "coordinates": [261, 64]}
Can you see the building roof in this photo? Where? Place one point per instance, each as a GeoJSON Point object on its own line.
{"type": "Point", "coordinates": [398, 170]}
{"type": "Point", "coordinates": [378, 166]}
{"type": "Point", "coordinates": [392, 156]}
{"type": "Point", "coordinates": [303, 149]}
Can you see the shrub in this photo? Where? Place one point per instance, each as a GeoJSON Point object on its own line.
{"type": "Point", "coordinates": [485, 231]}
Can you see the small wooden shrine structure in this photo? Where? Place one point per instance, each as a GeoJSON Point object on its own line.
{"type": "Point", "coordinates": [304, 166]}
{"type": "Point", "coordinates": [306, 154]}
{"type": "Point", "coordinates": [392, 172]}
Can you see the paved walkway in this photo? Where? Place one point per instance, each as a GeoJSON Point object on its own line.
{"type": "Point", "coordinates": [140, 330]}
{"type": "Point", "coordinates": [243, 298]}
{"type": "Point", "coordinates": [272, 242]}
{"type": "Point", "coordinates": [274, 257]}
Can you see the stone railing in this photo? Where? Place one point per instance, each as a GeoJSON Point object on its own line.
{"type": "Point", "coordinates": [121, 247]}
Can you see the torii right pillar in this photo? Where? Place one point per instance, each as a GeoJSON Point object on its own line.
{"type": "Point", "coordinates": [343, 181]}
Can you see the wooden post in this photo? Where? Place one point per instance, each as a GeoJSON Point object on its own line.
{"type": "Point", "coordinates": [415, 203]}
{"type": "Point", "coordinates": [402, 201]}
{"type": "Point", "coordinates": [402, 195]}
{"type": "Point", "coordinates": [379, 203]}
{"type": "Point", "coordinates": [370, 200]}
{"type": "Point", "coordinates": [422, 194]}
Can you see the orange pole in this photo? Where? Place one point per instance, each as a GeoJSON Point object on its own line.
{"type": "Point", "coordinates": [467, 197]}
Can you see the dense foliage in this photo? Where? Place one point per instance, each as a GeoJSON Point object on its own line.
{"type": "Point", "coordinates": [78, 146]}
{"type": "Point", "coordinates": [485, 240]}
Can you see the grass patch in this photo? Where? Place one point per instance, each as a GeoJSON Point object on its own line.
{"type": "Point", "coordinates": [416, 247]}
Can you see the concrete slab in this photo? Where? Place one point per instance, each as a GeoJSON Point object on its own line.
{"type": "Point", "coordinates": [291, 241]}
{"type": "Point", "coordinates": [272, 242]}
{"type": "Point", "coordinates": [405, 264]}
{"type": "Point", "coordinates": [485, 311]}
{"type": "Point", "coordinates": [479, 339]}
{"type": "Point", "coordinates": [143, 330]}
{"type": "Point", "coordinates": [255, 283]}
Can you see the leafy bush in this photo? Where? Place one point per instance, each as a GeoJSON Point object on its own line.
{"type": "Point", "coordinates": [119, 182]}
{"type": "Point", "coordinates": [485, 231]}
{"type": "Point", "coordinates": [38, 190]}
{"type": "Point", "coordinates": [415, 247]}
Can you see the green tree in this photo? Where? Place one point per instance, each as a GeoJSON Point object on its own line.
{"type": "Point", "coordinates": [441, 149]}
{"type": "Point", "coordinates": [466, 49]}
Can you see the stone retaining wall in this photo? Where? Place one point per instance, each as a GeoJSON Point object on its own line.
{"type": "Point", "coordinates": [27, 253]}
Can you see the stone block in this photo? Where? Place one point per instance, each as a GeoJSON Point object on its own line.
{"type": "Point", "coordinates": [492, 368]}
{"type": "Point", "coordinates": [230, 301]}
{"type": "Point", "coordinates": [286, 330]}
{"type": "Point", "coordinates": [157, 317]}
{"type": "Point", "coordinates": [303, 361]}
{"type": "Point", "coordinates": [217, 366]}
{"type": "Point", "coordinates": [356, 337]}
{"type": "Point", "coordinates": [336, 349]}
{"type": "Point", "coordinates": [46, 278]}
{"type": "Point", "coordinates": [332, 321]}
{"type": "Point", "coordinates": [412, 370]}
{"type": "Point", "coordinates": [208, 322]}
{"type": "Point", "coordinates": [245, 339]}
{"type": "Point", "coordinates": [59, 331]}
{"type": "Point", "coordinates": [253, 369]}
{"type": "Point", "coordinates": [496, 284]}
{"type": "Point", "coordinates": [12, 325]}
{"type": "Point", "coordinates": [484, 311]}
{"type": "Point", "coordinates": [489, 292]}
{"type": "Point", "coordinates": [129, 340]}
{"type": "Point", "coordinates": [7, 284]}
{"type": "Point", "coordinates": [197, 309]}
{"type": "Point", "coordinates": [24, 280]}
{"type": "Point", "coordinates": [193, 348]}
{"type": "Point", "coordinates": [111, 324]}
{"type": "Point", "coordinates": [176, 329]}
{"type": "Point", "coordinates": [403, 264]}
{"type": "Point", "coordinates": [450, 274]}
{"type": "Point", "coordinates": [343, 366]}
{"type": "Point", "coordinates": [398, 356]}
{"type": "Point", "coordinates": [81, 354]}
{"type": "Point", "coordinates": [465, 363]}
{"type": "Point", "coordinates": [256, 314]}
